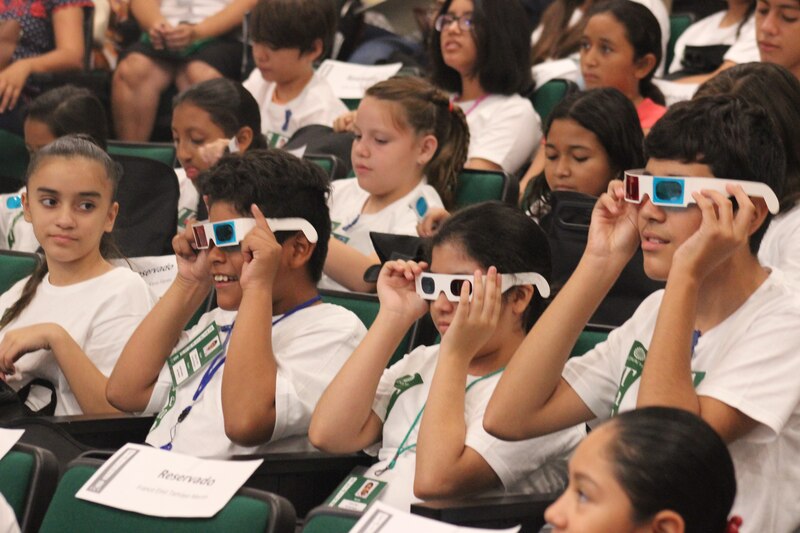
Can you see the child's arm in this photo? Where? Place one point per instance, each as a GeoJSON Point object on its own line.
{"type": "Point", "coordinates": [531, 398]}
{"type": "Point", "coordinates": [131, 382]}
{"type": "Point", "coordinates": [343, 420]}
{"type": "Point", "coordinates": [445, 466]}
{"type": "Point", "coordinates": [249, 381]}
{"type": "Point", "coordinates": [346, 265]}
{"type": "Point", "coordinates": [667, 374]}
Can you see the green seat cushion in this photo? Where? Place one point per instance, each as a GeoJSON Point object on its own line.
{"type": "Point", "coordinates": [16, 471]}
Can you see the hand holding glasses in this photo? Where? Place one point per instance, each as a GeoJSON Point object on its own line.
{"type": "Point", "coordinates": [231, 232]}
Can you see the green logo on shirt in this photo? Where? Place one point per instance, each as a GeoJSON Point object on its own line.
{"type": "Point", "coordinates": [634, 365]}
{"type": "Point", "coordinates": [401, 385]}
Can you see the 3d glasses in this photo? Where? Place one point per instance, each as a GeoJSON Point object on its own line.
{"type": "Point", "coordinates": [676, 191]}
{"type": "Point", "coordinates": [231, 232]}
{"type": "Point", "coordinates": [429, 285]}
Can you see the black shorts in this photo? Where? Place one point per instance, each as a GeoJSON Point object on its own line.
{"type": "Point", "coordinates": [223, 53]}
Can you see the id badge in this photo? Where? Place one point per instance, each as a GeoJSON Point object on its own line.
{"type": "Point", "coordinates": [356, 493]}
{"type": "Point", "coordinates": [194, 355]}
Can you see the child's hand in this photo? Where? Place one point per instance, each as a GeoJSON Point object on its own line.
{"type": "Point", "coordinates": [432, 221]}
{"type": "Point", "coordinates": [193, 265]}
{"type": "Point", "coordinates": [475, 321]}
{"type": "Point", "coordinates": [721, 232]}
{"type": "Point", "coordinates": [344, 122]}
{"type": "Point", "coordinates": [179, 37]}
{"type": "Point", "coordinates": [262, 255]}
{"type": "Point", "coordinates": [397, 289]}
{"type": "Point", "coordinates": [156, 33]}
{"type": "Point", "coordinates": [614, 230]}
{"type": "Point", "coordinates": [19, 342]}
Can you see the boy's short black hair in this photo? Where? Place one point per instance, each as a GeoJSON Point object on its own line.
{"type": "Point", "coordinates": [295, 24]}
{"type": "Point", "coordinates": [281, 185]}
{"type": "Point", "coordinates": [735, 138]}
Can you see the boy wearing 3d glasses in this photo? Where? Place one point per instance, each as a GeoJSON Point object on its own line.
{"type": "Point", "coordinates": [247, 377]}
{"type": "Point", "coordinates": [721, 340]}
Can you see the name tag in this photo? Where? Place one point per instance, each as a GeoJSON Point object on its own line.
{"type": "Point", "coordinates": [188, 360]}
{"type": "Point", "coordinates": [356, 493]}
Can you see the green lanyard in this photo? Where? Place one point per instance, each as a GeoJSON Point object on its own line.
{"type": "Point", "coordinates": [403, 448]}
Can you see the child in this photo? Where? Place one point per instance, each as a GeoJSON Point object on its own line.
{"type": "Point", "coordinates": [285, 346]}
{"type": "Point", "coordinates": [288, 37]}
{"type": "Point", "coordinates": [776, 23]}
{"type": "Point", "coordinates": [480, 52]}
{"type": "Point", "coordinates": [57, 112]}
{"type": "Point", "coordinates": [621, 48]}
{"type": "Point", "coordinates": [719, 341]}
{"type": "Point", "coordinates": [591, 138]}
{"type": "Point", "coordinates": [778, 92]}
{"type": "Point", "coordinates": [618, 484]}
{"type": "Point", "coordinates": [68, 321]}
{"type": "Point", "coordinates": [426, 410]}
{"type": "Point", "coordinates": [207, 119]}
{"type": "Point", "coordinates": [409, 147]}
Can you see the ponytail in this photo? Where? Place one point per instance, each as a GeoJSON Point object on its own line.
{"type": "Point", "coordinates": [428, 110]}
{"type": "Point", "coordinates": [70, 147]}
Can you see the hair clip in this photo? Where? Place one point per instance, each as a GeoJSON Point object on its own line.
{"type": "Point", "coordinates": [734, 523]}
{"type": "Point", "coordinates": [450, 105]}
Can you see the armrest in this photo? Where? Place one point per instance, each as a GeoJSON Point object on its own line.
{"type": "Point", "coordinates": [109, 431]}
{"type": "Point", "coordinates": [305, 478]}
{"type": "Point", "coordinates": [495, 512]}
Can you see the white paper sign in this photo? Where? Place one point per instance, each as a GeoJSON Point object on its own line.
{"type": "Point", "coordinates": [8, 438]}
{"type": "Point", "coordinates": [349, 80]}
{"type": "Point", "coordinates": [385, 519]}
{"type": "Point", "coordinates": [158, 271]}
{"type": "Point", "coordinates": [155, 482]}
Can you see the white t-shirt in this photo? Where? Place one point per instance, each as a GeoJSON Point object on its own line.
{"type": "Point", "coordinates": [707, 32]}
{"type": "Point", "coordinates": [310, 347]}
{"type": "Point", "coordinates": [8, 519]}
{"type": "Point", "coordinates": [780, 247]}
{"type": "Point", "coordinates": [15, 232]}
{"type": "Point", "coordinates": [193, 11]}
{"type": "Point", "coordinates": [100, 314]}
{"type": "Point", "coordinates": [502, 129]}
{"type": "Point", "coordinates": [188, 199]}
{"type": "Point", "coordinates": [316, 104]}
{"type": "Point", "coordinates": [352, 227]}
{"type": "Point", "coordinates": [745, 49]}
{"type": "Point", "coordinates": [530, 466]}
{"type": "Point", "coordinates": [751, 362]}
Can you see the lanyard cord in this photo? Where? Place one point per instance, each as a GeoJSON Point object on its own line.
{"type": "Point", "coordinates": [217, 363]}
{"type": "Point", "coordinates": [403, 448]}
{"type": "Point", "coordinates": [475, 104]}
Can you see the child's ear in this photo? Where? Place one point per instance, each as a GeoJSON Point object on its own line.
{"type": "Point", "coordinates": [113, 211]}
{"type": "Point", "coordinates": [759, 215]}
{"type": "Point", "coordinates": [667, 522]}
{"type": "Point", "coordinates": [244, 137]}
{"type": "Point", "coordinates": [520, 298]}
{"type": "Point", "coordinates": [317, 48]}
{"type": "Point", "coordinates": [427, 149]}
{"type": "Point", "coordinates": [26, 208]}
{"type": "Point", "coordinates": [644, 65]}
{"type": "Point", "coordinates": [298, 251]}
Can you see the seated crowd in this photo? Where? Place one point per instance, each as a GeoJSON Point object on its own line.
{"type": "Point", "coordinates": [689, 239]}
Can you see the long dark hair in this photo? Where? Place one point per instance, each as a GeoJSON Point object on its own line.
{"type": "Point", "coordinates": [71, 109]}
{"type": "Point", "coordinates": [644, 34]}
{"type": "Point", "coordinates": [558, 39]}
{"type": "Point", "coordinates": [230, 106]}
{"type": "Point", "coordinates": [427, 109]}
{"type": "Point", "coordinates": [69, 147]}
{"type": "Point", "coordinates": [498, 234]}
{"type": "Point", "coordinates": [612, 118]}
{"type": "Point", "coordinates": [776, 90]}
{"type": "Point", "coordinates": [667, 458]}
{"type": "Point", "coordinates": [502, 34]}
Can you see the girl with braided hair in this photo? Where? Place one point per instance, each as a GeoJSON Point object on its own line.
{"type": "Point", "coordinates": [410, 144]}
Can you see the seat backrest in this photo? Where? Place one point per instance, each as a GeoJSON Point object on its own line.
{"type": "Point", "coordinates": [324, 519]}
{"type": "Point", "coordinates": [249, 510]}
{"type": "Point", "coordinates": [545, 98]}
{"type": "Point", "coordinates": [14, 266]}
{"type": "Point", "coordinates": [148, 207]}
{"type": "Point", "coordinates": [365, 307]}
{"type": "Point", "coordinates": [28, 477]}
{"type": "Point", "coordinates": [162, 152]}
{"type": "Point", "coordinates": [327, 162]}
{"type": "Point", "coordinates": [590, 337]}
{"type": "Point", "coordinates": [678, 23]}
{"type": "Point", "coordinates": [15, 158]}
{"type": "Point", "coordinates": [474, 186]}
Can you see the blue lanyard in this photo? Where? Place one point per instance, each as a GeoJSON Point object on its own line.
{"type": "Point", "coordinates": [403, 448]}
{"type": "Point", "coordinates": [219, 360]}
